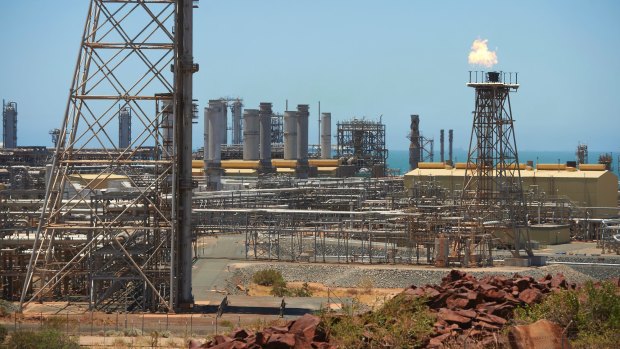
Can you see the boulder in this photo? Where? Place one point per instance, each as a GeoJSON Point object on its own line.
{"type": "Point", "coordinates": [541, 334]}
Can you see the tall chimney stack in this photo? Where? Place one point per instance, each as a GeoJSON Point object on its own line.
{"type": "Point", "coordinates": [326, 136]}
{"type": "Point", "coordinates": [264, 116]}
{"type": "Point", "coordinates": [441, 148]}
{"type": "Point", "coordinates": [302, 141]}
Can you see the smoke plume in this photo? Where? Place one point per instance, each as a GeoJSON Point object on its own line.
{"type": "Point", "coordinates": [480, 54]}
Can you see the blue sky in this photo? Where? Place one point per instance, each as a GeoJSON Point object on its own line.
{"type": "Point", "coordinates": [359, 58]}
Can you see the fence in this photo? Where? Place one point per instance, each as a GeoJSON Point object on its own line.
{"type": "Point", "coordinates": [143, 330]}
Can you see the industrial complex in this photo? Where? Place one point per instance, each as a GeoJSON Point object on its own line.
{"type": "Point", "coordinates": [113, 215]}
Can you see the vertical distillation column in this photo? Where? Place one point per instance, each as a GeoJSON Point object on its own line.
{"type": "Point", "coordinates": [450, 140]}
{"type": "Point", "coordinates": [441, 146]}
{"type": "Point", "coordinates": [9, 123]}
{"type": "Point", "coordinates": [250, 134]}
{"type": "Point", "coordinates": [302, 141]}
{"type": "Point", "coordinates": [124, 128]}
{"type": "Point", "coordinates": [290, 135]}
{"type": "Point", "coordinates": [184, 68]}
{"type": "Point", "coordinates": [236, 121]}
{"type": "Point", "coordinates": [326, 135]}
{"type": "Point", "coordinates": [414, 146]}
{"type": "Point", "coordinates": [265, 137]}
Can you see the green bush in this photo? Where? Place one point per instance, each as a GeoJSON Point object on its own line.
{"type": "Point", "coordinates": [402, 322]}
{"type": "Point", "coordinates": [591, 313]}
{"type": "Point", "coordinates": [268, 277]}
{"type": "Point", "coordinates": [303, 291]}
{"type": "Point", "coordinates": [44, 339]}
{"type": "Point", "coordinates": [279, 289]}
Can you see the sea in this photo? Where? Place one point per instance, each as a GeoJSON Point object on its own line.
{"type": "Point", "coordinates": [399, 159]}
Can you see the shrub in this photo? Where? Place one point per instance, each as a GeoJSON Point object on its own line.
{"type": "Point", "coordinates": [268, 277]}
{"type": "Point", "coordinates": [279, 290]}
{"type": "Point", "coordinates": [3, 333]}
{"type": "Point", "coordinates": [592, 311]}
{"type": "Point", "coordinates": [44, 339]}
{"type": "Point", "coordinates": [402, 322]}
{"type": "Point", "coordinates": [303, 291]}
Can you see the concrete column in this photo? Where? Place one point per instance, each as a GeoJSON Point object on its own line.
{"type": "Point", "coordinates": [326, 135]}
{"type": "Point", "coordinates": [290, 135]}
{"type": "Point", "coordinates": [264, 117]}
{"type": "Point", "coordinates": [250, 134]}
{"type": "Point", "coordinates": [302, 141]}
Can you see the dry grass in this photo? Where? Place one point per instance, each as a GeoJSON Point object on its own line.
{"type": "Point", "coordinates": [364, 294]}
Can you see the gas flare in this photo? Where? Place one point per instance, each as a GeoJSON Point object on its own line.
{"type": "Point", "coordinates": [480, 54]}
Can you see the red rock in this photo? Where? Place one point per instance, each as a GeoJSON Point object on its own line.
{"type": "Point", "coordinates": [473, 295]}
{"type": "Point", "coordinates": [559, 281]}
{"type": "Point", "coordinates": [494, 294]}
{"type": "Point", "coordinates": [485, 325]}
{"type": "Point", "coordinates": [305, 326]}
{"type": "Point", "coordinates": [280, 341]}
{"type": "Point", "coordinates": [240, 333]}
{"type": "Point", "coordinates": [491, 319]}
{"type": "Point", "coordinates": [541, 334]}
{"type": "Point", "coordinates": [452, 317]}
{"type": "Point", "coordinates": [470, 313]}
{"type": "Point", "coordinates": [531, 296]}
{"type": "Point", "coordinates": [456, 301]}
{"type": "Point", "coordinates": [437, 342]}
{"type": "Point", "coordinates": [219, 339]}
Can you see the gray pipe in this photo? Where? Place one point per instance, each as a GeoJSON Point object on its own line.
{"type": "Point", "coordinates": [290, 135]}
{"type": "Point", "coordinates": [250, 134]}
{"type": "Point", "coordinates": [326, 135]}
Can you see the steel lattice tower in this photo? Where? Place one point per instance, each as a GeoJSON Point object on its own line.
{"type": "Point", "coordinates": [125, 245]}
{"type": "Point", "coordinates": [492, 190]}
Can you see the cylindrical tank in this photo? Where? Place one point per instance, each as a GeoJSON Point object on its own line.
{"type": "Point", "coordinates": [236, 122]}
{"type": "Point", "coordinates": [250, 134]}
{"type": "Point", "coordinates": [265, 132]}
{"type": "Point", "coordinates": [124, 128]}
{"type": "Point", "coordinates": [290, 135]}
{"type": "Point", "coordinates": [167, 120]}
{"type": "Point", "coordinates": [326, 135]}
{"type": "Point", "coordinates": [9, 119]}
{"type": "Point", "coordinates": [302, 133]}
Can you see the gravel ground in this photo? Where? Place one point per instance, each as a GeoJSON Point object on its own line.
{"type": "Point", "coordinates": [386, 277]}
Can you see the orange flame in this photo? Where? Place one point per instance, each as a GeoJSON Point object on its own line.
{"type": "Point", "coordinates": [480, 54]}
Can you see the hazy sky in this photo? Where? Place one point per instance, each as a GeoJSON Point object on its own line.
{"type": "Point", "coordinates": [359, 58]}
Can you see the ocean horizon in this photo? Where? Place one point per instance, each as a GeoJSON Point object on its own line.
{"type": "Point", "coordinates": [399, 159]}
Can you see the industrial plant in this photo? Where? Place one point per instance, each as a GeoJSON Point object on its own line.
{"type": "Point", "coordinates": [111, 217]}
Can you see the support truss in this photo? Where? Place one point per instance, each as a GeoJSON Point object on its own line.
{"type": "Point", "coordinates": [118, 206]}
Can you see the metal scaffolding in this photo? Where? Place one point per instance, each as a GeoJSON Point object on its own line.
{"type": "Point", "coordinates": [492, 191]}
{"type": "Point", "coordinates": [128, 245]}
{"type": "Point", "coordinates": [362, 143]}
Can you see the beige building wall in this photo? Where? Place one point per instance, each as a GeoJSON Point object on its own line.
{"type": "Point", "coordinates": [596, 190]}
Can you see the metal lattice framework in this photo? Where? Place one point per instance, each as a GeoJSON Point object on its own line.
{"type": "Point", "coordinates": [117, 213]}
{"type": "Point", "coordinates": [363, 142]}
{"type": "Point", "coordinates": [492, 190]}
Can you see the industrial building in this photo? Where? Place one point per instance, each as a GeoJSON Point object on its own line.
{"type": "Point", "coordinates": [590, 187]}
